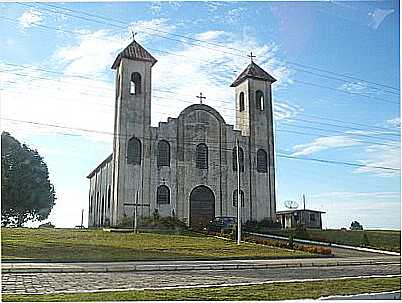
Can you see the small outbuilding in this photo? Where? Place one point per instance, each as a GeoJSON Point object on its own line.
{"type": "Point", "coordinates": [309, 218]}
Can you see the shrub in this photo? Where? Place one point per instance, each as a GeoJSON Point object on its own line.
{"type": "Point", "coordinates": [365, 240]}
{"type": "Point", "coordinates": [46, 225]}
{"type": "Point", "coordinates": [301, 231]}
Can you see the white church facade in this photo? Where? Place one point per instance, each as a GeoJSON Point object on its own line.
{"type": "Point", "coordinates": [187, 166]}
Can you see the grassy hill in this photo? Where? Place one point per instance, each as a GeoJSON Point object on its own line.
{"type": "Point", "coordinates": [380, 239]}
{"type": "Point", "coordinates": [98, 245]}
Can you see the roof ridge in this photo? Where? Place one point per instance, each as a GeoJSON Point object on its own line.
{"type": "Point", "coordinates": [253, 70]}
{"type": "Point", "coordinates": [134, 51]}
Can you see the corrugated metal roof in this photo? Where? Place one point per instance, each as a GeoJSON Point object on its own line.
{"type": "Point", "coordinates": [134, 51]}
{"type": "Point", "coordinates": [255, 72]}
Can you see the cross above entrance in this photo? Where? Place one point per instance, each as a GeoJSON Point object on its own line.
{"type": "Point", "coordinates": [201, 97]}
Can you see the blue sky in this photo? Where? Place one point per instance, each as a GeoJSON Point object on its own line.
{"type": "Point", "coordinates": [336, 98]}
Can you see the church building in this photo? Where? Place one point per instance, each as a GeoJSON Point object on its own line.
{"type": "Point", "coordinates": [187, 166]}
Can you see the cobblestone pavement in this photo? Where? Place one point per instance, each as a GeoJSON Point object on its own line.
{"type": "Point", "coordinates": [23, 283]}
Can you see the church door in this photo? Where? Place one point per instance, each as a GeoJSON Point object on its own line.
{"type": "Point", "coordinates": [202, 206]}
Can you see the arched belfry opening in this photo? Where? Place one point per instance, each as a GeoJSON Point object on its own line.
{"type": "Point", "coordinates": [259, 99]}
{"type": "Point", "coordinates": [135, 84]}
{"type": "Point", "coordinates": [202, 206]}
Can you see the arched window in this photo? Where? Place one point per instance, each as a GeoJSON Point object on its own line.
{"type": "Point", "coordinates": [201, 160]}
{"type": "Point", "coordinates": [91, 204]}
{"type": "Point", "coordinates": [134, 151]}
{"type": "Point", "coordinates": [261, 161]}
{"type": "Point", "coordinates": [235, 198]}
{"type": "Point", "coordinates": [241, 102]}
{"type": "Point", "coordinates": [241, 159]}
{"type": "Point", "coordinates": [108, 197]}
{"type": "Point", "coordinates": [118, 85]}
{"type": "Point", "coordinates": [163, 195]}
{"type": "Point", "coordinates": [259, 99]}
{"type": "Point", "coordinates": [135, 84]}
{"type": "Point", "coordinates": [163, 153]}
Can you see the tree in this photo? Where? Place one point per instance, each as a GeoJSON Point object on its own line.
{"type": "Point", "coordinates": [356, 226]}
{"type": "Point", "coordinates": [26, 191]}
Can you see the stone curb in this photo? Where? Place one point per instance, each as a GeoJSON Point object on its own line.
{"type": "Point", "coordinates": [146, 267]}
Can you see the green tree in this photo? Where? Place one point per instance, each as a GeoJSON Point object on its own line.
{"type": "Point", "coordinates": [356, 226]}
{"type": "Point", "coordinates": [26, 191]}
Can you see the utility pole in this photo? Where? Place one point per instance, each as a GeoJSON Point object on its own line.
{"type": "Point", "coordinates": [82, 218]}
{"type": "Point", "coordinates": [304, 202]}
{"type": "Point", "coordinates": [238, 194]}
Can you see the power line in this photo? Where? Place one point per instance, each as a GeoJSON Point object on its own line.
{"type": "Point", "coordinates": [295, 80]}
{"type": "Point", "coordinates": [206, 42]}
{"type": "Point", "coordinates": [337, 162]}
{"type": "Point", "coordinates": [342, 91]}
{"type": "Point", "coordinates": [392, 131]}
{"type": "Point", "coordinates": [277, 154]}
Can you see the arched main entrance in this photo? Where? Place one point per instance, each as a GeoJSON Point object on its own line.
{"type": "Point", "coordinates": [202, 206]}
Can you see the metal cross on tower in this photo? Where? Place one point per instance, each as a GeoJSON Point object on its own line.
{"type": "Point", "coordinates": [133, 33]}
{"type": "Point", "coordinates": [201, 97]}
{"type": "Point", "coordinates": [251, 56]}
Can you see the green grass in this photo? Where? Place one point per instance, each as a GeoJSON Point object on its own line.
{"type": "Point", "coordinates": [276, 291]}
{"type": "Point", "coordinates": [97, 245]}
{"type": "Point", "coordinates": [379, 239]}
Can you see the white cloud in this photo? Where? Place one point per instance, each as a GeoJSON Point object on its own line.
{"type": "Point", "coordinates": [324, 143]}
{"type": "Point", "coordinates": [184, 73]}
{"type": "Point", "coordinates": [396, 122]}
{"type": "Point", "coordinates": [94, 53]}
{"type": "Point", "coordinates": [378, 16]}
{"type": "Point", "coordinates": [356, 195]}
{"type": "Point", "coordinates": [155, 8]}
{"type": "Point", "coordinates": [285, 111]}
{"type": "Point", "coordinates": [210, 35]}
{"type": "Point", "coordinates": [382, 156]}
{"type": "Point", "coordinates": [29, 18]}
{"type": "Point", "coordinates": [151, 29]}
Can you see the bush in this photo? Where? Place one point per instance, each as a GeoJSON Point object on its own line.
{"type": "Point", "coordinates": [301, 231]}
{"type": "Point", "coordinates": [289, 245]}
{"type": "Point", "coordinates": [356, 226]}
{"type": "Point", "coordinates": [166, 223]}
{"type": "Point", "coordinates": [46, 225]}
{"type": "Point", "coordinates": [267, 223]}
{"type": "Point", "coordinates": [365, 240]}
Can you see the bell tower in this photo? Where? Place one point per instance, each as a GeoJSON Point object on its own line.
{"type": "Point", "coordinates": [132, 122]}
{"type": "Point", "coordinates": [254, 118]}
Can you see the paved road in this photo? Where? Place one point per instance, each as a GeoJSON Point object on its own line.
{"type": "Point", "coordinates": [20, 283]}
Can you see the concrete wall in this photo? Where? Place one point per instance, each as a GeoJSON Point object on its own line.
{"type": "Point", "coordinates": [100, 195]}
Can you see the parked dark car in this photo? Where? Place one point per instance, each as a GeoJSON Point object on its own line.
{"type": "Point", "coordinates": [221, 224]}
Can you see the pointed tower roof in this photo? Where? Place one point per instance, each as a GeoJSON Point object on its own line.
{"type": "Point", "coordinates": [134, 51]}
{"type": "Point", "coordinates": [255, 72]}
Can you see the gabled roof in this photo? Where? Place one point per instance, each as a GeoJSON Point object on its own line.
{"type": "Point", "coordinates": [255, 72]}
{"type": "Point", "coordinates": [134, 51]}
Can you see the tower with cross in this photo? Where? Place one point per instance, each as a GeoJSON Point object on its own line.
{"type": "Point", "coordinates": [254, 118]}
{"type": "Point", "coordinates": [189, 166]}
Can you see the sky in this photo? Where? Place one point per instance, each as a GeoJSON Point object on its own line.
{"type": "Point", "coordinates": [336, 98]}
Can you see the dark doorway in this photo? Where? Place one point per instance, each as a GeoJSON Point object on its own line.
{"type": "Point", "coordinates": [202, 207]}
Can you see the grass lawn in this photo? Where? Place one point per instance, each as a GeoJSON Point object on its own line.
{"type": "Point", "coordinates": [380, 239]}
{"type": "Point", "coordinates": [276, 291]}
{"type": "Point", "coordinates": [97, 245]}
